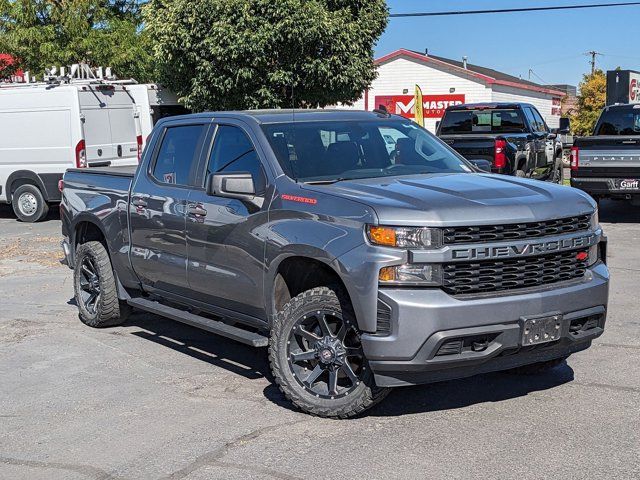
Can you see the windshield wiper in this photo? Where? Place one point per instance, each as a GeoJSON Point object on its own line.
{"type": "Point", "coordinates": [326, 182]}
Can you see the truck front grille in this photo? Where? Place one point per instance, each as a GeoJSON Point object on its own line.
{"type": "Point", "coordinates": [494, 276]}
{"type": "Point", "coordinates": [496, 233]}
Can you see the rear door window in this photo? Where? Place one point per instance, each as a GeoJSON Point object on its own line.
{"type": "Point", "coordinates": [177, 159]}
{"type": "Point", "coordinates": [541, 125]}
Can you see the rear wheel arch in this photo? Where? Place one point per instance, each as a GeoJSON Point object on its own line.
{"type": "Point", "coordinates": [86, 230]}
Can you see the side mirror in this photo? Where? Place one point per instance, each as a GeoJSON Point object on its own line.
{"type": "Point", "coordinates": [565, 125]}
{"type": "Point", "coordinates": [482, 164]}
{"type": "Point", "coordinates": [233, 185]}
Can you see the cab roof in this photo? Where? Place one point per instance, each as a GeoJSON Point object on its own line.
{"type": "Point", "coordinates": [297, 115]}
{"type": "Point", "coordinates": [490, 106]}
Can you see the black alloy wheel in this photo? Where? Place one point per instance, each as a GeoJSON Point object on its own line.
{"type": "Point", "coordinates": [317, 358]}
{"type": "Point", "coordinates": [325, 354]}
{"type": "Point", "coordinates": [89, 284]}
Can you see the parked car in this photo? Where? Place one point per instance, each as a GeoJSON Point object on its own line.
{"type": "Point", "coordinates": [49, 127]}
{"type": "Point", "coordinates": [512, 136]}
{"type": "Point", "coordinates": [298, 232]}
{"type": "Point", "coordinates": [607, 164]}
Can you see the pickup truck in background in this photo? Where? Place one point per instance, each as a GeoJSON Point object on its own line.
{"type": "Point", "coordinates": [607, 164]}
{"type": "Point", "coordinates": [360, 268]}
{"type": "Point", "coordinates": [513, 137]}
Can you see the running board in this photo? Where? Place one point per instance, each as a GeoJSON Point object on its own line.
{"type": "Point", "coordinates": [214, 326]}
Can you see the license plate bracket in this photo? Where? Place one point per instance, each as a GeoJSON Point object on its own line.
{"type": "Point", "coordinates": [541, 329]}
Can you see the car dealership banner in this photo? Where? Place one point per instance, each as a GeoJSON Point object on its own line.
{"type": "Point", "coordinates": [433, 105]}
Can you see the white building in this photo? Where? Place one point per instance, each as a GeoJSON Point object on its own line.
{"type": "Point", "coordinates": [444, 82]}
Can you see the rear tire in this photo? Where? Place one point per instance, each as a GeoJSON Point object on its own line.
{"type": "Point", "coordinates": [95, 288]}
{"type": "Point", "coordinates": [317, 359]}
{"type": "Point", "coordinates": [537, 368]}
{"type": "Point", "coordinates": [29, 204]}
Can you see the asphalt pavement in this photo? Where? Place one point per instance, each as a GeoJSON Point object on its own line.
{"type": "Point", "coordinates": [155, 399]}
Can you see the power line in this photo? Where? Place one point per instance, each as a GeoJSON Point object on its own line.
{"type": "Point", "coordinates": [531, 72]}
{"type": "Point", "coordinates": [593, 54]}
{"type": "Point", "coordinates": [511, 10]}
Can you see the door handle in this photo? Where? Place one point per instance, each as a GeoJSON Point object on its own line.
{"type": "Point", "coordinates": [196, 210]}
{"type": "Point", "coordinates": [138, 203]}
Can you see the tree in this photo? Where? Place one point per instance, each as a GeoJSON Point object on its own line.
{"type": "Point", "coordinates": [591, 101]}
{"type": "Point", "coordinates": [43, 33]}
{"type": "Point", "coordinates": [238, 54]}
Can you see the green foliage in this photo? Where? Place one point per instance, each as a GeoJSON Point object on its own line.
{"type": "Point", "coordinates": [237, 54]}
{"type": "Point", "coordinates": [43, 33]}
{"type": "Point", "coordinates": [591, 101]}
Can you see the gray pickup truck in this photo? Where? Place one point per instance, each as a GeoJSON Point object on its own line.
{"type": "Point", "coordinates": [361, 269]}
{"type": "Point", "coordinates": [607, 164]}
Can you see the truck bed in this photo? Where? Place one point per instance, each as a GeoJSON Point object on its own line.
{"type": "Point", "coordinates": [126, 171]}
{"type": "Point", "coordinates": [102, 193]}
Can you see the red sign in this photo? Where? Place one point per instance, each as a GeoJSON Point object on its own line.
{"type": "Point", "coordinates": [434, 105]}
{"type": "Point", "coordinates": [633, 84]}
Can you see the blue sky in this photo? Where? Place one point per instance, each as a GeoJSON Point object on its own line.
{"type": "Point", "coordinates": [551, 43]}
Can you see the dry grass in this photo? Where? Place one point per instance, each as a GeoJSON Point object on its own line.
{"type": "Point", "coordinates": [44, 251]}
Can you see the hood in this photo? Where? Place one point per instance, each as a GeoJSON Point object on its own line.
{"type": "Point", "coordinates": [461, 199]}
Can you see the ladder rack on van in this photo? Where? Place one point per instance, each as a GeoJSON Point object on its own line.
{"type": "Point", "coordinates": [79, 74]}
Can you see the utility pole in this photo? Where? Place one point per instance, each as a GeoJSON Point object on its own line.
{"type": "Point", "coordinates": [593, 54]}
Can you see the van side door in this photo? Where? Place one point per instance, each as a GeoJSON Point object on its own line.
{"type": "Point", "coordinates": [157, 209]}
{"type": "Point", "coordinates": [225, 247]}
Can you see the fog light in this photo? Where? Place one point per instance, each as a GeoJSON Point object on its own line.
{"type": "Point", "coordinates": [425, 274]}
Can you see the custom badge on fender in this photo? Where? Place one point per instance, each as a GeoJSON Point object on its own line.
{"type": "Point", "coordinates": [295, 198]}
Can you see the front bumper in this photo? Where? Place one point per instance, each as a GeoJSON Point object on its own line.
{"type": "Point", "coordinates": [603, 186]}
{"type": "Point", "coordinates": [423, 320]}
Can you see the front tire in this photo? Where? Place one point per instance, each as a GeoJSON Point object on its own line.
{"type": "Point", "coordinates": [29, 204]}
{"type": "Point", "coordinates": [558, 172]}
{"type": "Point", "coordinates": [95, 288]}
{"type": "Point", "coordinates": [316, 356]}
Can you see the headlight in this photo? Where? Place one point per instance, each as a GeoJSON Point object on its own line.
{"type": "Point", "coordinates": [595, 220]}
{"type": "Point", "coordinates": [411, 274]}
{"type": "Point", "coordinates": [405, 237]}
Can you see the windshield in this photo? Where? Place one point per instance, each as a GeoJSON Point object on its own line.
{"type": "Point", "coordinates": [619, 121]}
{"type": "Point", "coordinates": [482, 121]}
{"type": "Point", "coordinates": [332, 151]}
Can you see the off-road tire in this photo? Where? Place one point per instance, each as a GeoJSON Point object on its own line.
{"type": "Point", "coordinates": [29, 204]}
{"type": "Point", "coordinates": [109, 310]}
{"type": "Point", "coordinates": [537, 368]}
{"type": "Point", "coordinates": [365, 395]}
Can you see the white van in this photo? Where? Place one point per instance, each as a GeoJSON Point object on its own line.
{"type": "Point", "coordinates": [154, 102]}
{"type": "Point", "coordinates": [47, 128]}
